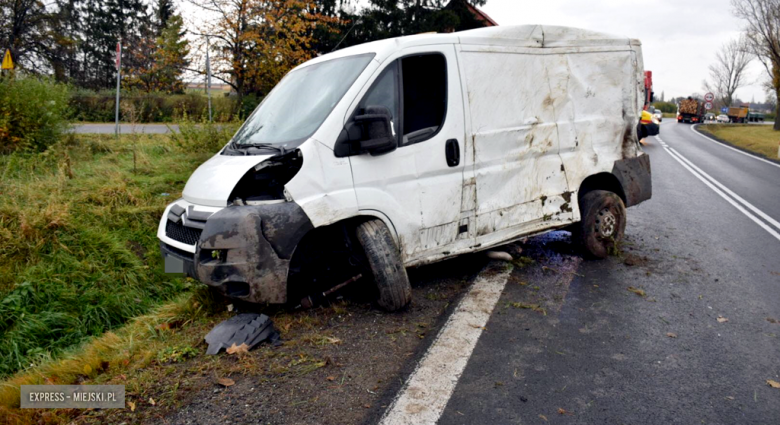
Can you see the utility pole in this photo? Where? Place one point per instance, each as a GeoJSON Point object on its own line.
{"type": "Point", "coordinates": [118, 73]}
{"type": "Point", "coordinates": [208, 76]}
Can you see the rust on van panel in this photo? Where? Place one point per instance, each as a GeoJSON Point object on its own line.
{"type": "Point", "coordinates": [635, 177]}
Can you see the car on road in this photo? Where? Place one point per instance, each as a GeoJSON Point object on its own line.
{"type": "Point", "coordinates": [407, 151]}
{"type": "Point", "coordinates": [658, 115]}
{"type": "Point", "coordinates": [709, 117]}
{"type": "Point", "coordinates": [723, 118]}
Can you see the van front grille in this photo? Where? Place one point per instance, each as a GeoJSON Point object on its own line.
{"type": "Point", "coordinates": [181, 233]}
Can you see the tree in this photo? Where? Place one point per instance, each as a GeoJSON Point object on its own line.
{"type": "Point", "coordinates": [65, 31]}
{"type": "Point", "coordinates": [24, 30]}
{"type": "Point", "coordinates": [395, 18]}
{"type": "Point", "coordinates": [728, 73]}
{"type": "Point", "coordinates": [662, 97]}
{"type": "Point", "coordinates": [163, 11]}
{"type": "Point", "coordinates": [169, 60]}
{"type": "Point", "coordinates": [104, 24]}
{"type": "Point", "coordinates": [762, 30]}
{"type": "Point", "coordinates": [259, 41]}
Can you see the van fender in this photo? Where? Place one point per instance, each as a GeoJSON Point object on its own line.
{"type": "Point", "coordinates": [382, 216]}
{"type": "Point", "coordinates": [635, 177]}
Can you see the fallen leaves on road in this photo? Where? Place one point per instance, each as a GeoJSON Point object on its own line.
{"type": "Point", "coordinates": [543, 417]}
{"type": "Point", "coordinates": [226, 382]}
{"type": "Point", "coordinates": [772, 320]}
{"type": "Point", "coordinates": [535, 307]}
{"type": "Point", "coordinates": [562, 411]}
{"type": "Point", "coordinates": [722, 319]}
{"type": "Point", "coordinates": [640, 292]}
{"type": "Point", "coordinates": [331, 378]}
{"type": "Point", "coordinates": [671, 335]}
{"type": "Point", "coordinates": [132, 406]}
{"type": "Point", "coordinates": [773, 384]}
{"type": "Point", "coordinates": [152, 402]}
{"type": "Point", "coordinates": [236, 349]}
{"type": "Point", "coordinates": [333, 340]}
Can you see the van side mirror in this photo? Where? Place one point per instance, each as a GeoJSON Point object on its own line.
{"type": "Point", "coordinates": [377, 130]}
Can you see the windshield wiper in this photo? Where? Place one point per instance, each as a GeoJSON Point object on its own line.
{"type": "Point", "coordinates": [280, 149]}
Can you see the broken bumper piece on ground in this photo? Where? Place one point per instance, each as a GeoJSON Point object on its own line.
{"type": "Point", "coordinates": [246, 328]}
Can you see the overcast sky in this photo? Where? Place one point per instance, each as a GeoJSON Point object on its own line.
{"type": "Point", "coordinates": [679, 39]}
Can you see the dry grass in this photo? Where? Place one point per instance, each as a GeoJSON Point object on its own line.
{"type": "Point", "coordinates": [760, 139]}
{"type": "Point", "coordinates": [108, 358]}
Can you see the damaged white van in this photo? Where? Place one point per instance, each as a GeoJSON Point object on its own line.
{"type": "Point", "coordinates": [407, 151]}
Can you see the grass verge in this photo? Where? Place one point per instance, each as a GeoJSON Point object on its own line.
{"type": "Point", "coordinates": [78, 248]}
{"type": "Point", "coordinates": [759, 139]}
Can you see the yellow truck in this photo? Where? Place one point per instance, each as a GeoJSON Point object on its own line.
{"type": "Point", "coordinates": [738, 114]}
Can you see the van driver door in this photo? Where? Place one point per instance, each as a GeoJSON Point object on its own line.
{"type": "Point", "coordinates": [417, 186]}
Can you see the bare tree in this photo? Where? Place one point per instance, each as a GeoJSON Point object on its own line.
{"type": "Point", "coordinates": [763, 36]}
{"type": "Point", "coordinates": [728, 73]}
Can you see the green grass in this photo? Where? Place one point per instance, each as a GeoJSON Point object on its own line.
{"type": "Point", "coordinates": [761, 139]}
{"type": "Point", "coordinates": [78, 248]}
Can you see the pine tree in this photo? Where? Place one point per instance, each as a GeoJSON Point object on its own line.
{"type": "Point", "coordinates": [163, 11]}
{"type": "Point", "coordinates": [169, 59]}
{"type": "Point", "coordinates": [104, 24]}
{"type": "Point", "coordinates": [394, 18]}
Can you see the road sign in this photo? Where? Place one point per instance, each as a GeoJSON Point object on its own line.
{"type": "Point", "coordinates": [708, 105]}
{"type": "Point", "coordinates": [118, 54]}
{"type": "Point", "coordinates": [8, 63]}
{"type": "Point", "coordinates": [724, 109]}
{"type": "Point", "coordinates": [709, 97]}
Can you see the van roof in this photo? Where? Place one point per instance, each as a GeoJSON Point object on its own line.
{"type": "Point", "coordinates": [539, 36]}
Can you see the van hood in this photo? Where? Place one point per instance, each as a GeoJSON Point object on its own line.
{"type": "Point", "coordinates": [212, 183]}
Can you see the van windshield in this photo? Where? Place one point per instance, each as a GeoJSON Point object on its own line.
{"type": "Point", "coordinates": [299, 104]}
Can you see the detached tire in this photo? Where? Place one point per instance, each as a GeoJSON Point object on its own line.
{"type": "Point", "coordinates": [392, 283]}
{"type": "Point", "coordinates": [602, 224]}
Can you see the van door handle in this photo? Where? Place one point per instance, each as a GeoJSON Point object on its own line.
{"type": "Point", "coordinates": [452, 150]}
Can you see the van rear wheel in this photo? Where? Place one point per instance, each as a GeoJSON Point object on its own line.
{"type": "Point", "coordinates": [602, 224]}
{"type": "Point", "coordinates": [389, 273]}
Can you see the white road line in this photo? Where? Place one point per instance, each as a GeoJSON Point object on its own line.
{"type": "Point", "coordinates": [425, 395]}
{"type": "Point", "coordinates": [722, 194]}
{"type": "Point", "coordinates": [734, 149]}
{"type": "Point", "coordinates": [728, 191]}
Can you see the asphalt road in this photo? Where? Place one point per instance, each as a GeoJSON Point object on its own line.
{"type": "Point", "coordinates": [698, 347]}
{"type": "Point", "coordinates": [109, 128]}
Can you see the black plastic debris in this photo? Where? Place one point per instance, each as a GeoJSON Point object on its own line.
{"type": "Point", "coordinates": [245, 328]}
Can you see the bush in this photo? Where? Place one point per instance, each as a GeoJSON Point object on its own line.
{"type": "Point", "coordinates": [202, 135]}
{"type": "Point", "coordinates": [33, 113]}
{"type": "Point", "coordinates": [150, 107]}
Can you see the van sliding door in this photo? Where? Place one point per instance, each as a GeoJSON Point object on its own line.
{"type": "Point", "coordinates": [520, 185]}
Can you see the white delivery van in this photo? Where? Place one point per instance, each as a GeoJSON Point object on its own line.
{"type": "Point", "coordinates": [406, 151]}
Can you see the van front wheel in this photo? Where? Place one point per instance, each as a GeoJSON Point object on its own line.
{"type": "Point", "coordinates": [389, 273]}
{"type": "Point", "coordinates": [603, 223]}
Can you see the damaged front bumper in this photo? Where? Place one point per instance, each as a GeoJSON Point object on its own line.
{"type": "Point", "coordinates": [243, 251]}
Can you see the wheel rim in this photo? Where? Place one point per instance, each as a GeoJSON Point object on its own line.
{"type": "Point", "coordinates": [606, 223]}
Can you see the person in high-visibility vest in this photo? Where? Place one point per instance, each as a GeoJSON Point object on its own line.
{"type": "Point", "coordinates": [650, 123]}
